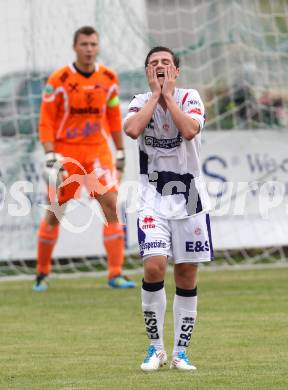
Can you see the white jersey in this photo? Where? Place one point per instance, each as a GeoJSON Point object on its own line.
{"type": "Point", "coordinates": [171, 184]}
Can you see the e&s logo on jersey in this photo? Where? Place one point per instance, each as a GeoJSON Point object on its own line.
{"type": "Point", "coordinates": [148, 222]}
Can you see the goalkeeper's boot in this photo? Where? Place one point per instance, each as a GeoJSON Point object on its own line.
{"type": "Point", "coordinates": [121, 281]}
{"type": "Point", "coordinates": [154, 359]}
{"type": "Point", "coordinates": [40, 283]}
{"type": "Point", "coordinates": [182, 362]}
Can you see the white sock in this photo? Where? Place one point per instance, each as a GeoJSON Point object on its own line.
{"type": "Point", "coordinates": [185, 313]}
{"type": "Point", "coordinates": [154, 307]}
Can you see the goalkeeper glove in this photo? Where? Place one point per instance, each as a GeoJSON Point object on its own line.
{"type": "Point", "coordinates": [120, 160]}
{"type": "Point", "coordinates": [54, 172]}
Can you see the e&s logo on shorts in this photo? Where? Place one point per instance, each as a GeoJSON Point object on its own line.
{"type": "Point", "coordinates": [197, 246]}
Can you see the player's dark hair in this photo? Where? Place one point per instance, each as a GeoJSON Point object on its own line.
{"type": "Point", "coordinates": [156, 49]}
{"type": "Point", "coordinates": [86, 30]}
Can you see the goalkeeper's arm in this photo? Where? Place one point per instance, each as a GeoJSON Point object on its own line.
{"type": "Point", "coordinates": [48, 146]}
{"type": "Point", "coordinates": [113, 115]}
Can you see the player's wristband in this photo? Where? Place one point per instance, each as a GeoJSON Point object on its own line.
{"type": "Point", "coordinates": [120, 160]}
{"type": "Point", "coordinates": [120, 155]}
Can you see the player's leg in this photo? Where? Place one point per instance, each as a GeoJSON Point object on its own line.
{"type": "Point", "coordinates": [154, 243]}
{"type": "Point", "coordinates": [191, 245]}
{"type": "Point", "coordinates": [184, 312]}
{"type": "Point", "coordinates": [47, 237]}
{"type": "Point", "coordinates": [102, 185]}
{"type": "Point", "coordinates": [114, 242]}
{"type": "Point", "coordinates": [153, 297]}
{"type": "Point", "coordinates": [49, 227]}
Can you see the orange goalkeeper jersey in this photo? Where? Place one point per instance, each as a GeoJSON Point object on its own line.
{"type": "Point", "coordinates": [76, 109]}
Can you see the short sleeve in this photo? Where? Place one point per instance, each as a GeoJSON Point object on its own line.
{"type": "Point", "coordinates": [49, 92]}
{"type": "Point", "coordinates": [136, 104]}
{"type": "Point", "coordinates": [193, 106]}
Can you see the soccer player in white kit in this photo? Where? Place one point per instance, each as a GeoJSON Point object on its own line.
{"type": "Point", "coordinates": [173, 208]}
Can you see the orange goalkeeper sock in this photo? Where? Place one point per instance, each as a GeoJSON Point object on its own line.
{"type": "Point", "coordinates": [47, 238]}
{"type": "Point", "coordinates": [114, 244]}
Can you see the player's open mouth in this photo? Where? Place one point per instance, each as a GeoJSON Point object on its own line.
{"type": "Point", "coordinates": [160, 74]}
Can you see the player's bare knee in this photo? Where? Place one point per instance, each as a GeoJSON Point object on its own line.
{"type": "Point", "coordinates": [51, 218]}
{"type": "Point", "coordinates": [108, 204]}
{"type": "Point", "coordinates": [154, 270]}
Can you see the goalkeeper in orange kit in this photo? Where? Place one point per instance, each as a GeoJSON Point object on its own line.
{"type": "Point", "coordinates": [77, 101]}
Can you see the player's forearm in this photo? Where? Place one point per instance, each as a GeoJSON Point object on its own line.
{"type": "Point", "coordinates": [48, 146]}
{"type": "Point", "coordinates": [136, 124]}
{"type": "Point", "coordinates": [187, 126]}
{"type": "Point", "coordinates": [117, 139]}
{"type": "Point", "coordinates": [120, 154]}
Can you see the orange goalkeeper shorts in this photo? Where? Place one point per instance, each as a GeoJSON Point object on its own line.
{"type": "Point", "coordinates": [86, 165]}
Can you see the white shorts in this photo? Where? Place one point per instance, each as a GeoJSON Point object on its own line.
{"type": "Point", "coordinates": [187, 240]}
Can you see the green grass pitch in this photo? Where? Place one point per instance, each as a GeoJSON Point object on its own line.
{"type": "Point", "coordinates": [81, 335]}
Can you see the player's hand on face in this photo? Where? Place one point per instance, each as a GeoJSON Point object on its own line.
{"type": "Point", "coordinates": [170, 74]}
{"type": "Point", "coordinates": [153, 80]}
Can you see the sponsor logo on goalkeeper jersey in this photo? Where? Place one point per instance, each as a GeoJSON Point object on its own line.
{"type": "Point", "coordinates": [89, 87]}
{"type": "Point", "coordinates": [86, 131]}
{"type": "Point", "coordinates": [148, 223]}
{"type": "Point", "coordinates": [48, 90]}
{"type": "Point", "coordinates": [197, 246]}
{"type": "Point", "coordinates": [152, 244]}
{"type": "Point", "coordinates": [164, 143]}
{"type": "Point", "coordinates": [73, 87]}
{"type": "Point", "coordinates": [85, 110]}
{"type": "Point", "coordinates": [89, 97]}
